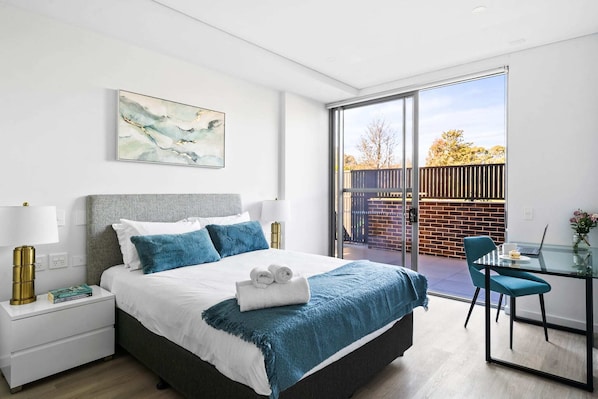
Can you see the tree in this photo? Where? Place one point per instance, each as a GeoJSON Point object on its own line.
{"type": "Point", "coordinates": [449, 149]}
{"type": "Point", "coordinates": [452, 149]}
{"type": "Point", "coordinates": [377, 145]}
{"type": "Point", "coordinates": [350, 162]}
{"type": "Point", "coordinates": [496, 154]}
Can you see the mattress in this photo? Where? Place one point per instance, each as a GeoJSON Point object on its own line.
{"type": "Point", "coordinates": [170, 304]}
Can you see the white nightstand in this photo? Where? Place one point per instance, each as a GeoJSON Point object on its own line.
{"type": "Point", "coordinates": [45, 338]}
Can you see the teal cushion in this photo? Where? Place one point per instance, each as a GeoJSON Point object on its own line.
{"type": "Point", "coordinates": [168, 251]}
{"type": "Point", "coordinates": [237, 238]}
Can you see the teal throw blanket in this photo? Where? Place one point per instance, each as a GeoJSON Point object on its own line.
{"type": "Point", "coordinates": [346, 304]}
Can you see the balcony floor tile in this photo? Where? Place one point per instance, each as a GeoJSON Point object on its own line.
{"type": "Point", "coordinates": [446, 276]}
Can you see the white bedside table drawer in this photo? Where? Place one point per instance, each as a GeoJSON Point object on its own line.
{"type": "Point", "coordinates": [40, 329]}
{"type": "Point", "coordinates": [35, 363]}
{"type": "Point", "coordinates": [45, 338]}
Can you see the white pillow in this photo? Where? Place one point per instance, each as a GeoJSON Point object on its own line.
{"type": "Point", "coordinates": [119, 229]}
{"type": "Point", "coordinates": [221, 220]}
{"type": "Point", "coordinates": [129, 228]}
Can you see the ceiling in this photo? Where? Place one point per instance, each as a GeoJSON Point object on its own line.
{"type": "Point", "coordinates": [328, 50]}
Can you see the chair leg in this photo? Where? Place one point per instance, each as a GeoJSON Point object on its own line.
{"type": "Point", "coordinates": [498, 309]}
{"type": "Point", "coordinates": [475, 297]}
{"type": "Point", "coordinates": [542, 308]}
{"type": "Point", "coordinates": [511, 322]}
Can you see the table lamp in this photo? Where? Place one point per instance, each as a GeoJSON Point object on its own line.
{"type": "Point", "coordinates": [22, 226]}
{"type": "Point", "coordinates": [276, 211]}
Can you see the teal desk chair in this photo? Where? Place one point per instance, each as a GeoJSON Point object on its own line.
{"type": "Point", "coordinates": [509, 282]}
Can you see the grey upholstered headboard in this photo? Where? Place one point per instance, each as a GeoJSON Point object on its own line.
{"type": "Point", "coordinates": [103, 250]}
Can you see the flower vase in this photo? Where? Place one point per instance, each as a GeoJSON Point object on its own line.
{"type": "Point", "coordinates": [580, 242]}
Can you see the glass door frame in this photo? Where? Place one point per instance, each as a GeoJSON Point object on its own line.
{"type": "Point", "coordinates": [337, 176]}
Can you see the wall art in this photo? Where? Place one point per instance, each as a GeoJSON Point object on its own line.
{"type": "Point", "coordinates": [151, 129]}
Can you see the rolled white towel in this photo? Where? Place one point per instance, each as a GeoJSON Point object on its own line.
{"type": "Point", "coordinates": [296, 291]}
{"type": "Point", "coordinates": [282, 273]}
{"type": "Point", "coordinates": [261, 277]}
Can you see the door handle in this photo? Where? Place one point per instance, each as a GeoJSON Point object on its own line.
{"type": "Point", "coordinates": [413, 215]}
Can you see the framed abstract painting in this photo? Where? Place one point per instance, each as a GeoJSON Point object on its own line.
{"type": "Point", "coordinates": [154, 130]}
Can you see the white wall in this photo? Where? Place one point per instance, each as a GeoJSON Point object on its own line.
{"type": "Point", "coordinates": [306, 176]}
{"type": "Point", "coordinates": [552, 162]}
{"type": "Point", "coordinates": [58, 93]}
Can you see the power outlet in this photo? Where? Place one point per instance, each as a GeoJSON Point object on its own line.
{"type": "Point", "coordinates": [58, 261]}
{"type": "Point", "coordinates": [41, 262]}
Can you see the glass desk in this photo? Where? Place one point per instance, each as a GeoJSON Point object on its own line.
{"type": "Point", "coordinates": [557, 261]}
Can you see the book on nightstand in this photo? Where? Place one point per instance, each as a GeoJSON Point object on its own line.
{"type": "Point", "coordinates": [69, 294]}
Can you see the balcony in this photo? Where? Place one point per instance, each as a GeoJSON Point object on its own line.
{"type": "Point", "coordinates": [454, 202]}
{"type": "Point", "coordinates": [446, 276]}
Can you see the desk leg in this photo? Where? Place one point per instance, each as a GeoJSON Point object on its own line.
{"type": "Point", "coordinates": [487, 298]}
{"type": "Point", "coordinates": [589, 333]}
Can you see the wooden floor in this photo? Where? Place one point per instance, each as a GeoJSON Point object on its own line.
{"type": "Point", "coordinates": [446, 361]}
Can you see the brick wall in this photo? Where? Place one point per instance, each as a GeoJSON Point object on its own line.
{"type": "Point", "coordinates": [442, 225]}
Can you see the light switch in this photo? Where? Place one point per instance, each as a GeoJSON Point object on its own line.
{"type": "Point", "coordinates": [528, 213]}
{"type": "Point", "coordinates": [78, 260]}
{"type": "Point", "coordinates": [60, 217]}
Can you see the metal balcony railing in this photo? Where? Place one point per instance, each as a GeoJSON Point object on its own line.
{"type": "Point", "coordinates": [470, 182]}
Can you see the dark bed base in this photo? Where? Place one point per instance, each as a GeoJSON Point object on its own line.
{"type": "Point", "coordinates": [194, 378]}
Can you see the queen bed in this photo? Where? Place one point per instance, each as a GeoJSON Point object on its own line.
{"type": "Point", "coordinates": [211, 365]}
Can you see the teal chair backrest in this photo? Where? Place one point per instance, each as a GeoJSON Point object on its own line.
{"type": "Point", "coordinates": [475, 248]}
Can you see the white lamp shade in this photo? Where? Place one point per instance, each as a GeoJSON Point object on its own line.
{"type": "Point", "coordinates": [276, 210]}
{"type": "Point", "coordinates": [28, 225]}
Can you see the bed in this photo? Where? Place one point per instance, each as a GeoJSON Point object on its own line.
{"type": "Point", "coordinates": [181, 368]}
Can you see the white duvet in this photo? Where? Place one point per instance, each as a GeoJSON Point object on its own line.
{"type": "Point", "coordinates": [170, 304]}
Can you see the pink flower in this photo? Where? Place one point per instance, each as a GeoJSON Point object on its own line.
{"type": "Point", "coordinates": [582, 222]}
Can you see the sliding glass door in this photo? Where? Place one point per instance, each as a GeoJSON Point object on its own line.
{"type": "Point", "coordinates": [447, 143]}
{"type": "Point", "coordinates": [374, 181]}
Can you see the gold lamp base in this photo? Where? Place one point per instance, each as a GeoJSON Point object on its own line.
{"type": "Point", "coordinates": [275, 235]}
{"type": "Point", "coordinates": [23, 276]}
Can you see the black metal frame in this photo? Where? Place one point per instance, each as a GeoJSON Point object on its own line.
{"type": "Point", "coordinates": [589, 384]}
{"type": "Point", "coordinates": [513, 316]}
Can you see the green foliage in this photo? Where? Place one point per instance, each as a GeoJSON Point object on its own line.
{"type": "Point", "coordinates": [452, 149]}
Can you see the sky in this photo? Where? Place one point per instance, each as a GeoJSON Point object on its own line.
{"type": "Point", "coordinates": [477, 107]}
